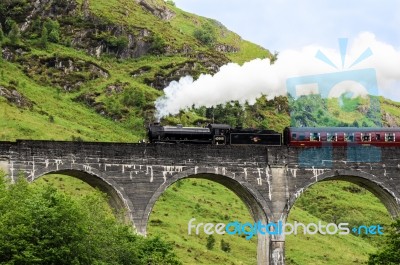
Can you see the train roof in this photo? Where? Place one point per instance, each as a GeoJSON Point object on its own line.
{"type": "Point", "coordinates": [185, 129]}
{"type": "Point", "coordinates": [219, 126]}
{"type": "Point", "coordinates": [344, 129]}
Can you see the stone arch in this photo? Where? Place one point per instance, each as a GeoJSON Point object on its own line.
{"type": "Point", "coordinates": [256, 204]}
{"type": "Point", "coordinates": [363, 179]}
{"type": "Point", "coordinates": [116, 196]}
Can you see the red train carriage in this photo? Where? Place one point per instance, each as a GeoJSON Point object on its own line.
{"type": "Point", "coordinates": [341, 136]}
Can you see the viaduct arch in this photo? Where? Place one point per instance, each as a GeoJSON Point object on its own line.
{"type": "Point", "coordinates": [267, 179]}
{"type": "Point", "coordinates": [363, 179]}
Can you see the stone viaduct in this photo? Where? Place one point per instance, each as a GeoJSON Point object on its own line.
{"type": "Point", "coordinates": [267, 179]}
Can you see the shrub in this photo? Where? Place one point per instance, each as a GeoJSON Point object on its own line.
{"type": "Point", "coordinates": [205, 35]}
{"type": "Point", "coordinates": [225, 246]}
{"type": "Point", "coordinates": [210, 242]}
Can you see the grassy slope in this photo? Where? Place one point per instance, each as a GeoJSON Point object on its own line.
{"type": "Point", "coordinates": [75, 120]}
{"type": "Point", "coordinates": [210, 202]}
{"type": "Point", "coordinates": [70, 119]}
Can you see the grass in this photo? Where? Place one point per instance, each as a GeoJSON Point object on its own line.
{"type": "Point", "coordinates": [211, 202]}
{"type": "Point", "coordinates": [69, 119]}
{"type": "Point", "coordinates": [207, 202]}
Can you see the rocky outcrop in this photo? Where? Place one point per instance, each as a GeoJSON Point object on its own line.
{"type": "Point", "coordinates": [16, 98]}
{"type": "Point", "coordinates": [226, 48]}
{"type": "Point", "coordinates": [11, 53]}
{"type": "Point", "coordinates": [64, 72]}
{"type": "Point", "coordinates": [202, 63]}
{"type": "Point", "coordinates": [49, 8]}
{"type": "Point", "coordinates": [140, 71]}
{"type": "Point", "coordinates": [389, 120]}
{"type": "Point", "coordinates": [115, 88]}
{"type": "Point", "coordinates": [98, 38]}
{"type": "Point", "coordinates": [160, 11]}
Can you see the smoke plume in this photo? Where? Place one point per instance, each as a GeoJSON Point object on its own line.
{"type": "Point", "coordinates": [257, 77]}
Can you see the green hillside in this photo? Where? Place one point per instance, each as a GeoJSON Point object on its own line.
{"type": "Point", "coordinates": [91, 71]}
{"type": "Point", "coordinates": [97, 71]}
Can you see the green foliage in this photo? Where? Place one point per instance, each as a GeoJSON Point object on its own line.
{"type": "Point", "coordinates": [264, 114]}
{"type": "Point", "coordinates": [114, 42]}
{"type": "Point", "coordinates": [158, 45]}
{"type": "Point", "coordinates": [40, 225]}
{"type": "Point", "coordinates": [170, 2]}
{"type": "Point", "coordinates": [389, 253]}
{"type": "Point", "coordinates": [133, 98]}
{"type": "Point", "coordinates": [53, 29]}
{"type": "Point", "coordinates": [1, 34]}
{"type": "Point", "coordinates": [225, 246]}
{"type": "Point", "coordinates": [16, 9]}
{"type": "Point", "coordinates": [44, 38]}
{"type": "Point", "coordinates": [156, 252]}
{"type": "Point", "coordinates": [14, 35]}
{"type": "Point", "coordinates": [54, 36]}
{"type": "Point", "coordinates": [210, 242]}
{"type": "Point", "coordinates": [9, 22]}
{"type": "Point", "coordinates": [206, 34]}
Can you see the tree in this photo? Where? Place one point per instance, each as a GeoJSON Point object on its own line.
{"type": "Point", "coordinates": [43, 38]}
{"type": "Point", "coordinates": [40, 225]}
{"type": "Point", "coordinates": [53, 30]}
{"type": "Point", "coordinates": [206, 34]}
{"type": "Point", "coordinates": [225, 246]}
{"type": "Point", "coordinates": [14, 34]}
{"type": "Point", "coordinates": [158, 45]}
{"type": "Point", "coordinates": [390, 252]}
{"type": "Point", "coordinates": [210, 242]}
{"type": "Point", "coordinates": [54, 36]}
{"type": "Point", "coordinates": [1, 34]}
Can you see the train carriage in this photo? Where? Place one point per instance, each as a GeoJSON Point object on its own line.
{"type": "Point", "coordinates": [341, 136]}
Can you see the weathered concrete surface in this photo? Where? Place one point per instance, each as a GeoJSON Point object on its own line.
{"type": "Point", "coordinates": [268, 180]}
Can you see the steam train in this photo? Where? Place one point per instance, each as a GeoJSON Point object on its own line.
{"type": "Point", "coordinates": [223, 134]}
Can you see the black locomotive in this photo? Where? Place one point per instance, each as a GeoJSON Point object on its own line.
{"type": "Point", "coordinates": [217, 134]}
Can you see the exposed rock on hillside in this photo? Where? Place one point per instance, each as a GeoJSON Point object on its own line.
{"type": "Point", "coordinates": [171, 72]}
{"type": "Point", "coordinates": [15, 97]}
{"type": "Point", "coordinates": [64, 72]}
{"type": "Point", "coordinates": [389, 120]}
{"type": "Point", "coordinates": [46, 8]}
{"type": "Point", "coordinates": [226, 48]}
{"type": "Point", "coordinates": [159, 11]}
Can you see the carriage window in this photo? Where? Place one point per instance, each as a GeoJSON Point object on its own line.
{"type": "Point", "coordinates": [315, 136]}
{"type": "Point", "coordinates": [302, 137]}
{"type": "Point", "coordinates": [389, 137]}
{"type": "Point", "coordinates": [331, 137]}
{"type": "Point", "coordinates": [378, 137]}
{"type": "Point", "coordinates": [349, 137]}
{"type": "Point", "coordinates": [366, 137]}
{"type": "Point", "coordinates": [294, 136]}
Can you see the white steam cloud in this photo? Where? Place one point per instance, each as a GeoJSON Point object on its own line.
{"type": "Point", "coordinates": [257, 77]}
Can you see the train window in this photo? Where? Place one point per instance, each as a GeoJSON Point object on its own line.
{"type": "Point", "coordinates": [349, 137]}
{"type": "Point", "coordinates": [389, 137]}
{"type": "Point", "coordinates": [302, 137]}
{"type": "Point", "coordinates": [315, 136]}
{"type": "Point", "coordinates": [378, 137]}
{"type": "Point", "coordinates": [366, 137]}
{"type": "Point", "coordinates": [331, 137]}
{"type": "Point", "coordinates": [294, 136]}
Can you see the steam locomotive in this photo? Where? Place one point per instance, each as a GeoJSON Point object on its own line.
{"type": "Point", "coordinates": [223, 134]}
